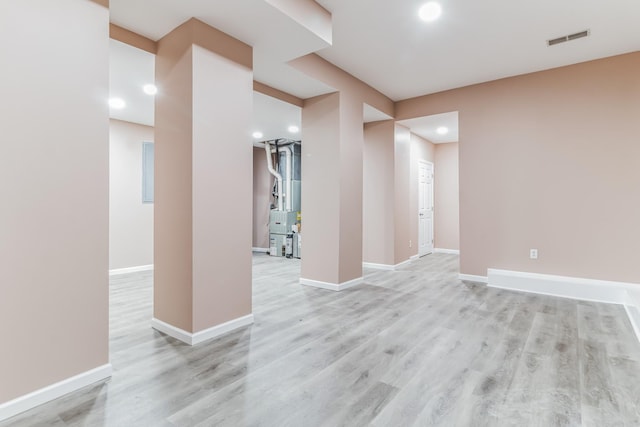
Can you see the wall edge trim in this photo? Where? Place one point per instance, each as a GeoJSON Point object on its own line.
{"type": "Point", "coordinates": [389, 267]}
{"type": "Point", "coordinates": [446, 251]}
{"type": "Point", "coordinates": [378, 266]}
{"type": "Point", "coordinates": [204, 335]}
{"type": "Point", "coordinates": [51, 392]}
{"type": "Point", "coordinates": [260, 250]}
{"type": "Point", "coordinates": [331, 286]}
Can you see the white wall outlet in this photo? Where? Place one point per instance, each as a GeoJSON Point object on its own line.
{"type": "Point", "coordinates": [409, 243]}
{"type": "Point", "coordinates": [533, 253]}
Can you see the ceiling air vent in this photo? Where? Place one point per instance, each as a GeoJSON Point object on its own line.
{"type": "Point", "coordinates": [568, 38]}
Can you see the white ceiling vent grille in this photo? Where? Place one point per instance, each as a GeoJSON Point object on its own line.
{"type": "Point", "coordinates": [568, 38]}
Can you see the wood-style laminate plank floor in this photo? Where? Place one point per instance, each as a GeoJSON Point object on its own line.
{"type": "Point", "coordinates": [413, 347]}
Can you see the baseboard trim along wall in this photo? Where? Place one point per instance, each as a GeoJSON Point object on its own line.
{"type": "Point", "coordinates": [331, 286]}
{"type": "Point", "coordinates": [201, 336]}
{"type": "Point", "coordinates": [261, 250]}
{"type": "Point", "coordinates": [414, 257]}
{"type": "Point", "coordinates": [388, 267]}
{"type": "Point", "coordinates": [472, 278]}
{"type": "Point", "coordinates": [127, 270]}
{"type": "Point", "coordinates": [54, 391]}
{"type": "Point", "coordinates": [446, 251]}
{"type": "Point", "coordinates": [378, 266]}
{"type": "Point", "coordinates": [626, 294]}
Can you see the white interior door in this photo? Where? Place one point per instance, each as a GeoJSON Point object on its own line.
{"type": "Point", "coordinates": [425, 208]}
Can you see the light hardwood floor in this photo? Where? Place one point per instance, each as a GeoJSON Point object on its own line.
{"type": "Point", "coordinates": [409, 347]}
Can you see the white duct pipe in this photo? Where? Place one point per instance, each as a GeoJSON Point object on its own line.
{"type": "Point", "coordinates": [288, 177]}
{"type": "Point", "coordinates": [273, 172]}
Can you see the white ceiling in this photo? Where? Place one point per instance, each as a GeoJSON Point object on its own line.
{"type": "Point", "coordinates": [384, 43]}
{"type": "Point", "coordinates": [273, 117]}
{"type": "Point", "coordinates": [129, 70]}
{"type": "Point", "coordinates": [372, 114]}
{"type": "Point", "coordinates": [276, 39]}
{"type": "Point", "coordinates": [426, 127]}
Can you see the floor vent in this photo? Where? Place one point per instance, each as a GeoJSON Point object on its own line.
{"type": "Point", "coordinates": [568, 38]}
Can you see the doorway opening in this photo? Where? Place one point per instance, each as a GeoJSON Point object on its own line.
{"type": "Point", "coordinates": [425, 208]}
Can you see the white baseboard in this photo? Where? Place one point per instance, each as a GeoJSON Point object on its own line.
{"type": "Point", "coordinates": [446, 251]}
{"type": "Point", "coordinates": [389, 267]}
{"type": "Point", "coordinates": [560, 286]}
{"type": "Point", "coordinates": [402, 264]}
{"type": "Point", "coordinates": [54, 391]}
{"type": "Point", "coordinates": [414, 257]}
{"type": "Point", "coordinates": [331, 286]}
{"type": "Point", "coordinates": [261, 250]}
{"type": "Point", "coordinates": [601, 291]}
{"type": "Point", "coordinates": [127, 270]}
{"type": "Point", "coordinates": [201, 336]}
{"type": "Point", "coordinates": [472, 278]}
{"type": "Point", "coordinates": [633, 312]}
{"type": "Point", "coordinates": [378, 266]}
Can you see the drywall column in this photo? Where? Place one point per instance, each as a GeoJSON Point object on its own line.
{"type": "Point", "coordinates": [54, 189]}
{"type": "Point", "coordinates": [203, 188]}
{"type": "Point", "coordinates": [378, 194]}
{"type": "Point", "coordinates": [387, 231]}
{"type": "Point", "coordinates": [402, 172]}
{"type": "Point", "coordinates": [332, 132]}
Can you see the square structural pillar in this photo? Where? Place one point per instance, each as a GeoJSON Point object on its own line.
{"type": "Point", "coordinates": [203, 183]}
{"type": "Point", "coordinates": [332, 146]}
{"type": "Point", "coordinates": [387, 197]}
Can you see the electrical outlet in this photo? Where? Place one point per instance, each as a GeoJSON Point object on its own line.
{"type": "Point", "coordinates": [533, 253]}
{"type": "Point", "coordinates": [409, 243]}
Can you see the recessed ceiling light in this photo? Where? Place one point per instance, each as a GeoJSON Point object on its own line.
{"type": "Point", "coordinates": [430, 11]}
{"type": "Point", "coordinates": [150, 89]}
{"type": "Point", "coordinates": [442, 130]}
{"type": "Point", "coordinates": [257, 135]}
{"type": "Point", "coordinates": [294, 129]}
{"type": "Point", "coordinates": [117, 103]}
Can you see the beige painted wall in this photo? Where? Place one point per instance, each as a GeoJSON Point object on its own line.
{"type": "Point", "coordinates": [262, 184]}
{"type": "Point", "coordinates": [549, 161]}
{"type": "Point", "coordinates": [402, 197]}
{"type": "Point", "coordinates": [446, 197]}
{"type": "Point", "coordinates": [130, 220]}
{"type": "Point", "coordinates": [378, 193]}
{"type": "Point", "coordinates": [421, 149]}
{"type": "Point", "coordinates": [332, 132]}
{"type": "Point", "coordinates": [54, 188]}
